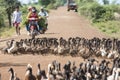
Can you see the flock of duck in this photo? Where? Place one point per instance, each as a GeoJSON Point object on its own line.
{"type": "Point", "coordinates": [91, 69]}
{"type": "Point", "coordinates": [108, 48]}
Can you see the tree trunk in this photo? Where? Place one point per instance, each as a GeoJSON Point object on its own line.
{"type": "Point", "coordinates": [9, 18]}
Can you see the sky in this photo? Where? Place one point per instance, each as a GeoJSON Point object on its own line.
{"type": "Point", "coordinates": [117, 1]}
{"type": "Point", "coordinates": [27, 1]}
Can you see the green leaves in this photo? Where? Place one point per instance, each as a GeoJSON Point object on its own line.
{"type": "Point", "coordinates": [44, 2]}
{"type": "Point", "coordinates": [95, 11]}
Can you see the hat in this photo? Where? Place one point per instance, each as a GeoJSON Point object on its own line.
{"type": "Point", "coordinates": [42, 8]}
{"type": "Point", "coordinates": [30, 7]}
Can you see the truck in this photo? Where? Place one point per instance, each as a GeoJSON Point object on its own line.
{"type": "Point", "coordinates": [71, 5]}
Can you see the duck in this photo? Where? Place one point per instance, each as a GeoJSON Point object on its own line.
{"type": "Point", "coordinates": [29, 75]}
{"type": "Point", "coordinates": [13, 74]}
{"type": "Point", "coordinates": [39, 73]}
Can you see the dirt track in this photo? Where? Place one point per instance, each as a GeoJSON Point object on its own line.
{"type": "Point", "coordinates": [61, 24]}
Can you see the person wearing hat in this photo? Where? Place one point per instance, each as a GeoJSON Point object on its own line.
{"type": "Point", "coordinates": [43, 13]}
{"type": "Point", "coordinates": [16, 19]}
{"type": "Point", "coordinates": [33, 16]}
{"type": "Point", "coordinates": [27, 21]}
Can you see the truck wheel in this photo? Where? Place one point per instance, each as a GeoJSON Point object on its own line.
{"type": "Point", "coordinates": [68, 10]}
{"type": "Point", "coordinates": [76, 10]}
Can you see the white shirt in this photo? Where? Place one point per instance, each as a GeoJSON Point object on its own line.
{"type": "Point", "coordinates": [43, 14]}
{"type": "Point", "coordinates": [17, 16]}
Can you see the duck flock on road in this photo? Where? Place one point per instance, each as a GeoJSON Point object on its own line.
{"type": "Point", "coordinates": [91, 69]}
{"type": "Point", "coordinates": [107, 48]}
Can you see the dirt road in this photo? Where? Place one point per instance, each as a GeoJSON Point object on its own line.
{"type": "Point", "coordinates": [61, 24]}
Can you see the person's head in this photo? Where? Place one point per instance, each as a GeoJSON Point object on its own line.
{"type": "Point", "coordinates": [42, 9]}
{"type": "Point", "coordinates": [17, 8]}
{"type": "Point", "coordinates": [34, 10]}
{"type": "Point", "coordinates": [30, 8]}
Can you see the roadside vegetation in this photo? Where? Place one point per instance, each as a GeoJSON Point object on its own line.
{"type": "Point", "coordinates": [105, 17]}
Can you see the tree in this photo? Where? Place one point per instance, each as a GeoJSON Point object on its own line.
{"type": "Point", "coordinates": [9, 7]}
{"type": "Point", "coordinates": [114, 1]}
{"type": "Point", "coordinates": [105, 2]}
{"type": "Point", "coordinates": [45, 2]}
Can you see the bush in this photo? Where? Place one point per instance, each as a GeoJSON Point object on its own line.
{"type": "Point", "coordinates": [24, 9]}
{"type": "Point", "coordinates": [51, 6]}
{"type": "Point", "coordinates": [102, 13]}
{"type": "Point", "coordinates": [97, 12]}
{"type": "Point", "coordinates": [109, 26]}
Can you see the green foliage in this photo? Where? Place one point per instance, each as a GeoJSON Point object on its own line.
{"type": "Point", "coordinates": [41, 22]}
{"type": "Point", "coordinates": [2, 16]}
{"type": "Point", "coordinates": [1, 21]}
{"type": "Point", "coordinates": [116, 8]}
{"type": "Point", "coordinates": [102, 13]}
{"type": "Point", "coordinates": [44, 2]}
{"type": "Point", "coordinates": [52, 4]}
{"type": "Point", "coordinates": [6, 31]}
{"type": "Point", "coordinates": [95, 11]}
{"type": "Point", "coordinates": [24, 9]}
{"type": "Point", "coordinates": [110, 27]}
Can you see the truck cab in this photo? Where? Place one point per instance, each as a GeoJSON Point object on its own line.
{"type": "Point", "coordinates": [71, 5]}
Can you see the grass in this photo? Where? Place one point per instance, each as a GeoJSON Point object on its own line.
{"type": "Point", "coordinates": [111, 28]}
{"type": "Point", "coordinates": [6, 31]}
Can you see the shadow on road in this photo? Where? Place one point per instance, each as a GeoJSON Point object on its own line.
{"type": "Point", "coordinates": [12, 64]}
{"type": "Point", "coordinates": [51, 33]}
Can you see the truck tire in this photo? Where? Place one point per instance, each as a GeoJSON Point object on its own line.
{"type": "Point", "coordinates": [76, 10]}
{"type": "Point", "coordinates": [68, 10]}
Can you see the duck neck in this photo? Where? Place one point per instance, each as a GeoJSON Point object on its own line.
{"type": "Point", "coordinates": [12, 75]}
{"type": "Point", "coordinates": [39, 68]}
